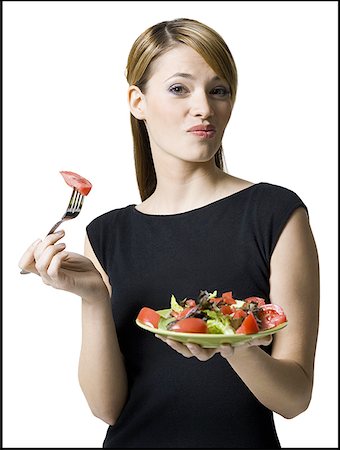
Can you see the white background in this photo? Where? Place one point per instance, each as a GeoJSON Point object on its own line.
{"type": "Point", "coordinates": [65, 108]}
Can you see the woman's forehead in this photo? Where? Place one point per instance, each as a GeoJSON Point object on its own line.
{"type": "Point", "coordinates": [180, 61]}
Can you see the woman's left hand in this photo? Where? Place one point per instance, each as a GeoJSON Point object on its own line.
{"type": "Point", "coordinates": [190, 350]}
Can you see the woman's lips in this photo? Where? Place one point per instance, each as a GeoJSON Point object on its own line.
{"type": "Point", "coordinates": [203, 131]}
{"type": "Point", "coordinates": [204, 134]}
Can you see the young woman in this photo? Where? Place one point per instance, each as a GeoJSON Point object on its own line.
{"type": "Point", "coordinates": [196, 228]}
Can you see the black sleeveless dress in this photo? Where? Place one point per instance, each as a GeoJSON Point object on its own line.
{"type": "Point", "coordinates": [173, 401]}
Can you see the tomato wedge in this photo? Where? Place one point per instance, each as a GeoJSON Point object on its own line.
{"type": "Point", "coordinates": [190, 302]}
{"type": "Point", "coordinates": [190, 325]}
{"type": "Point", "coordinates": [228, 298]}
{"type": "Point", "coordinates": [76, 181]}
{"type": "Point", "coordinates": [258, 300]}
{"type": "Point", "coordinates": [184, 313]}
{"type": "Point", "coordinates": [239, 313]}
{"type": "Point", "coordinates": [216, 300]}
{"type": "Point", "coordinates": [149, 317]}
{"type": "Point", "coordinates": [249, 325]}
{"type": "Point", "coordinates": [271, 316]}
{"type": "Point", "coordinates": [226, 309]}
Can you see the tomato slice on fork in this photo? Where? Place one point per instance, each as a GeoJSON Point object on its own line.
{"type": "Point", "coordinates": [76, 181]}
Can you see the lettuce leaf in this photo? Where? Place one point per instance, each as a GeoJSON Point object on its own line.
{"type": "Point", "coordinates": [174, 305]}
{"type": "Point", "coordinates": [164, 322]}
{"type": "Point", "coordinates": [218, 323]}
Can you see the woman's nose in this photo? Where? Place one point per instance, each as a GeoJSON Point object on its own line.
{"type": "Point", "coordinates": [201, 106]}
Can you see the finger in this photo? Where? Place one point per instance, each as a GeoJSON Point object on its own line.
{"type": "Point", "coordinates": [44, 261]}
{"type": "Point", "coordinates": [55, 264]}
{"type": "Point", "coordinates": [266, 340]}
{"type": "Point", "coordinates": [203, 354]}
{"type": "Point", "coordinates": [51, 239]}
{"type": "Point", "coordinates": [27, 260]}
{"type": "Point", "coordinates": [226, 350]}
{"type": "Point", "coordinates": [179, 347]}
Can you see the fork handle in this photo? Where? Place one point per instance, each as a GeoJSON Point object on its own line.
{"type": "Point", "coordinates": [52, 230]}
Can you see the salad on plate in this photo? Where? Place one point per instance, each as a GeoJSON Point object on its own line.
{"type": "Point", "coordinates": [211, 320]}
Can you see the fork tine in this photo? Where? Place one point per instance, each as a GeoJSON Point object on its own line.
{"type": "Point", "coordinates": [81, 201]}
{"type": "Point", "coordinates": [77, 202]}
{"type": "Point", "coordinates": [74, 207]}
{"type": "Point", "coordinates": [72, 199]}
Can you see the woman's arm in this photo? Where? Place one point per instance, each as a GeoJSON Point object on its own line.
{"type": "Point", "coordinates": [283, 381]}
{"type": "Point", "coordinates": [101, 368]}
{"type": "Point", "coordinates": [102, 375]}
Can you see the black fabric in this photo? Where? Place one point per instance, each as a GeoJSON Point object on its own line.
{"type": "Point", "coordinates": [173, 401]}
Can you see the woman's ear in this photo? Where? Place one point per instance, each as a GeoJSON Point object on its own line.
{"type": "Point", "coordinates": [136, 102]}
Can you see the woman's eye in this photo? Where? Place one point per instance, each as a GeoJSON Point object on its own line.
{"type": "Point", "coordinates": [221, 91]}
{"type": "Point", "coordinates": [177, 89]}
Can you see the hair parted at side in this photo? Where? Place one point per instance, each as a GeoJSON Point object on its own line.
{"type": "Point", "coordinates": [151, 44]}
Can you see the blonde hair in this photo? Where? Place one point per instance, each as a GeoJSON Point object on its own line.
{"type": "Point", "coordinates": [151, 44]}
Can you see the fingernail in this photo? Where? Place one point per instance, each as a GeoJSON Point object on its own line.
{"type": "Point", "coordinates": [60, 232]}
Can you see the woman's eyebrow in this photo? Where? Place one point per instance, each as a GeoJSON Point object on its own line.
{"type": "Point", "coordinates": [189, 76]}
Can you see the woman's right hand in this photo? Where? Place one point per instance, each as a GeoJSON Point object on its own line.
{"type": "Point", "coordinates": [62, 269]}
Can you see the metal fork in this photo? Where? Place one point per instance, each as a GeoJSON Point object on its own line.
{"type": "Point", "coordinates": [74, 207]}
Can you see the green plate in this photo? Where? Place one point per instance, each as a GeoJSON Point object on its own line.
{"type": "Point", "coordinates": [207, 340]}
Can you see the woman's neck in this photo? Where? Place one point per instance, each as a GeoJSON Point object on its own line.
{"type": "Point", "coordinates": [186, 187]}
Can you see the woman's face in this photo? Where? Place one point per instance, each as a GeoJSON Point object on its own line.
{"type": "Point", "coordinates": [184, 92]}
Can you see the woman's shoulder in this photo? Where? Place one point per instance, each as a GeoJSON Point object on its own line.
{"type": "Point", "coordinates": [269, 198]}
{"type": "Point", "coordinates": [277, 193]}
{"type": "Point", "coordinates": [109, 218]}
{"type": "Point", "coordinates": [261, 189]}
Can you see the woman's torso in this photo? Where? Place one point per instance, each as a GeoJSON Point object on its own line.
{"type": "Point", "coordinates": [175, 401]}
